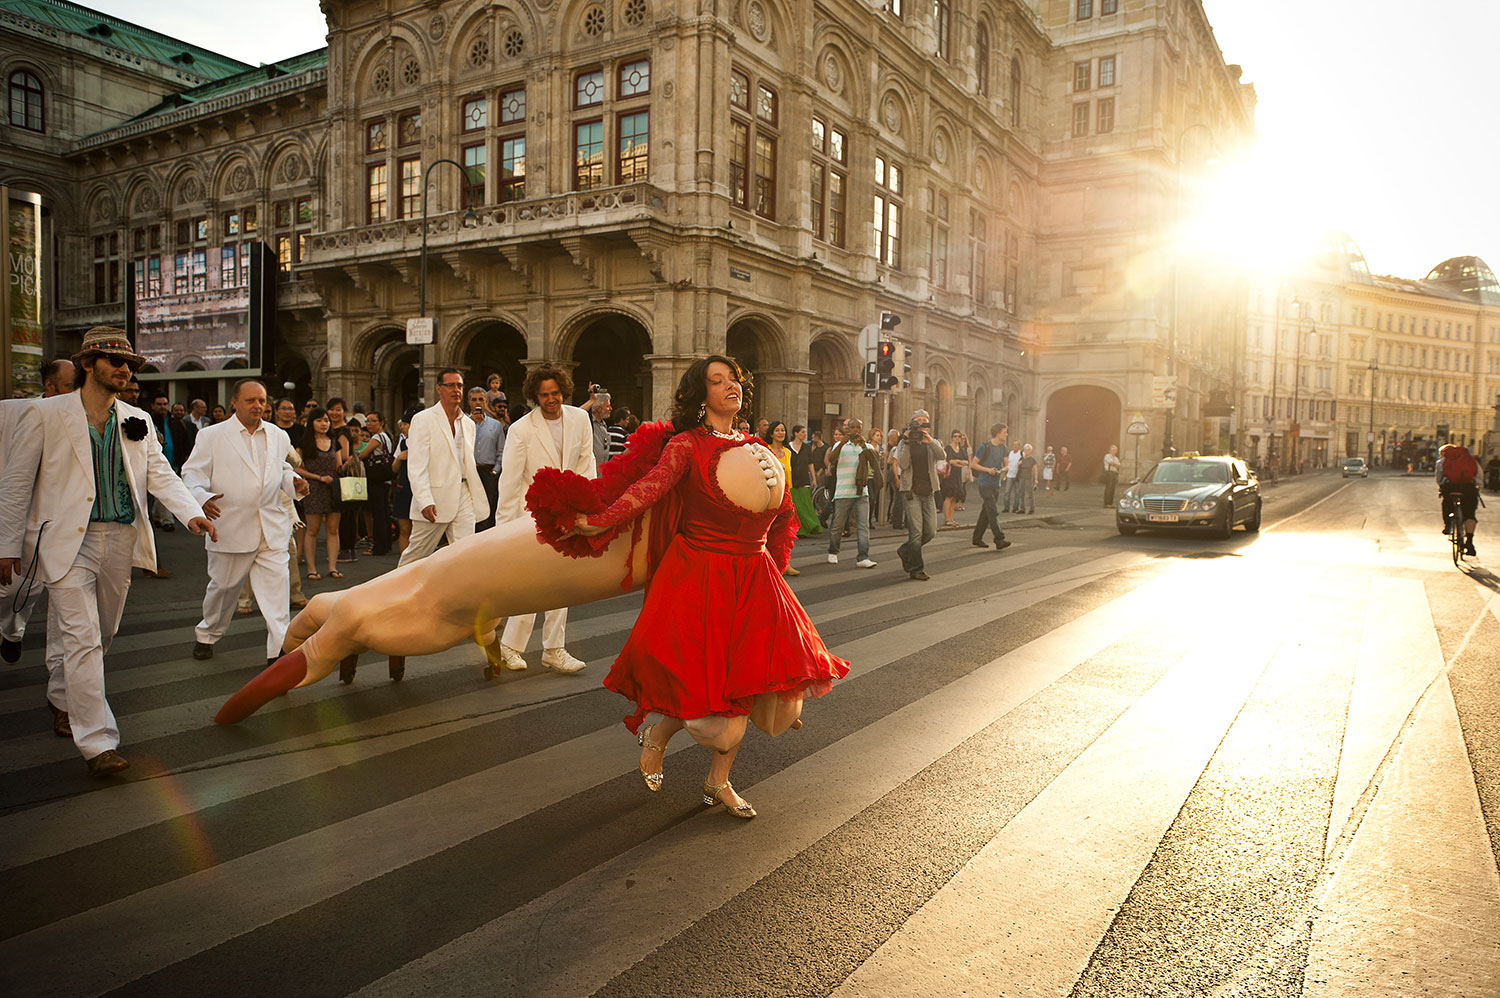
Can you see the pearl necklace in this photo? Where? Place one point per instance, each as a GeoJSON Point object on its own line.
{"type": "Point", "coordinates": [722, 436]}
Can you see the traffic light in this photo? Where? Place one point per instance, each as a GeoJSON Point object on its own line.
{"type": "Point", "coordinates": [889, 321]}
{"type": "Point", "coordinates": [885, 362]}
{"type": "Point", "coordinates": [905, 355]}
{"type": "Point", "coordinates": [872, 380]}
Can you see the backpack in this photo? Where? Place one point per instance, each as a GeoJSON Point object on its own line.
{"type": "Point", "coordinates": [1459, 465]}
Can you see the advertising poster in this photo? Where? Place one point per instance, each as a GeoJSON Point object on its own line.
{"type": "Point", "coordinates": [198, 327]}
{"type": "Point", "coordinates": [23, 312]}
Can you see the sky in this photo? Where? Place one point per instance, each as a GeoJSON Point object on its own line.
{"type": "Point", "coordinates": [1371, 116]}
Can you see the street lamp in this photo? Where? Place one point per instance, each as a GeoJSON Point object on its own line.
{"type": "Point", "coordinates": [1374, 369]}
{"type": "Point", "coordinates": [1166, 439]}
{"type": "Point", "coordinates": [469, 219]}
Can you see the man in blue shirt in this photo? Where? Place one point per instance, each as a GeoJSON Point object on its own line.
{"type": "Point", "coordinates": [988, 464]}
{"type": "Point", "coordinates": [852, 462]}
{"type": "Point", "coordinates": [489, 445]}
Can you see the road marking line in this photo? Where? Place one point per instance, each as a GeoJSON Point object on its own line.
{"type": "Point", "coordinates": [1415, 906]}
{"type": "Point", "coordinates": [1398, 659]}
{"type": "Point", "coordinates": [1308, 509]}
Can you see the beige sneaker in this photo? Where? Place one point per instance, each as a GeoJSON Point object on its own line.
{"type": "Point", "coordinates": [512, 660]}
{"type": "Point", "coordinates": [558, 660]}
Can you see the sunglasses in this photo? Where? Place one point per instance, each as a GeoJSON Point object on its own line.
{"type": "Point", "coordinates": [116, 360]}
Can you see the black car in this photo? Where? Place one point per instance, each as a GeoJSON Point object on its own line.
{"type": "Point", "coordinates": [1205, 494]}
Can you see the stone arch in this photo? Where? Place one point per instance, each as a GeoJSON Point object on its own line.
{"type": "Point", "coordinates": [286, 164]}
{"type": "Point", "coordinates": [611, 347]}
{"type": "Point", "coordinates": [834, 42]}
{"type": "Point", "coordinates": [757, 341]}
{"type": "Point", "coordinates": [841, 349]}
{"type": "Point", "coordinates": [185, 186]}
{"type": "Point", "coordinates": [896, 95]}
{"type": "Point", "coordinates": [984, 175]}
{"type": "Point", "coordinates": [366, 342]}
{"type": "Point", "coordinates": [837, 375]}
{"type": "Point", "coordinates": [143, 196]}
{"type": "Point", "coordinates": [1085, 417]}
{"type": "Point", "coordinates": [292, 367]}
{"type": "Point", "coordinates": [101, 206]}
{"type": "Point", "coordinates": [985, 36]}
{"type": "Point", "coordinates": [981, 401]}
{"type": "Point", "coordinates": [780, 30]}
{"type": "Point", "coordinates": [233, 177]}
{"type": "Point", "coordinates": [396, 385]}
{"type": "Point", "coordinates": [943, 137]}
{"type": "Point", "coordinates": [1015, 203]}
{"type": "Point", "coordinates": [942, 398]}
{"type": "Point", "coordinates": [488, 344]}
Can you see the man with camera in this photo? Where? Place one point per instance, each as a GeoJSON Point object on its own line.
{"type": "Point", "coordinates": [599, 406]}
{"type": "Point", "coordinates": [917, 458]}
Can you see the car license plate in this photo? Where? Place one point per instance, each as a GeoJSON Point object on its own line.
{"type": "Point", "coordinates": [1162, 517]}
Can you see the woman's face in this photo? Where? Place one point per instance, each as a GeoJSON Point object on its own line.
{"type": "Point", "coordinates": [286, 413]}
{"type": "Point", "coordinates": [958, 439]}
{"type": "Point", "coordinates": [778, 435]}
{"type": "Point", "coordinates": [321, 424]}
{"type": "Point", "coordinates": [876, 437]}
{"type": "Point", "coordinates": [723, 390]}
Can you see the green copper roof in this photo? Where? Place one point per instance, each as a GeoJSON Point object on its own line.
{"type": "Point", "coordinates": [239, 81]}
{"type": "Point", "coordinates": [127, 37]}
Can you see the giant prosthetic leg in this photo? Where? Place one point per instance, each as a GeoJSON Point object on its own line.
{"type": "Point", "coordinates": [459, 594]}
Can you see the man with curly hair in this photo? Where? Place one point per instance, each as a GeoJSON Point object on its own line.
{"type": "Point", "coordinates": [76, 484]}
{"type": "Point", "coordinates": [551, 435]}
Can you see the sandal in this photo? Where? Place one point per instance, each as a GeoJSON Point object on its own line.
{"type": "Point", "coordinates": [653, 780]}
{"type": "Point", "coordinates": [711, 798]}
{"type": "Point", "coordinates": [335, 575]}
{"type": "Point", "coordinates": [313, 577]}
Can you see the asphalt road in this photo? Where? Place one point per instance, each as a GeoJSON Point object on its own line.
{"type": "Point", "coordinates": [1087, 765]}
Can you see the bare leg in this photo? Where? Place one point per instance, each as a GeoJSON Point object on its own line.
{"type": "Point", "coordinates": [718, 774]}
{"type": "Point", "coordinates": [661, 733]}
{"type": "Point", "coordinates": [331, 529]}
{"type": "Point", "coordinates": [773, 715]}
{"type": "Point", "coordinates": [442, 601]}
{"type": "Point", "coordinates": [310, 542]}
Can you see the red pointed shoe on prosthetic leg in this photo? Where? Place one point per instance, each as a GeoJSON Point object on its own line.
{"type": "Point", "coordinates": [289, 670]}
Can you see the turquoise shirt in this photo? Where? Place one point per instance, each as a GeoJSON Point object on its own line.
{"type": "Point", "coordinates": [112, 502]}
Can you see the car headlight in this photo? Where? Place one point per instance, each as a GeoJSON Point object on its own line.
{"type": "Point", "coordinates": [1136, 503]}
{"type": "Point", "coordinates": [1193, 505]}
{"type": "Point", "coordinates": [1209, 504]}
{"type": "Point", "coordinates": [1124, 503]}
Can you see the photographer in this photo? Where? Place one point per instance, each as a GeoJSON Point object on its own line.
{"type": "Point", "coordinates": [917, 480]}
{"type": "Point", "coordinates": [598, 407]}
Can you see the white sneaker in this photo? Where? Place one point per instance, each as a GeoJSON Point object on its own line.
{"type": "Point", "coordinates": [511, 659]}
{"type": "Point", "coordinates": [833, 559]}
{"type": "Point", "coordinates": [865, 563]}
{"type": "Point", "coordinates": [558, 660]}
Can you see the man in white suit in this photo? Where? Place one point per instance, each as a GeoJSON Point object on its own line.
{"type": "Point", "coordinates": [238, 472]}
{"type": "Point", "coordinates": [551, 435]}
{"type": "Point", "coordinates": [79, 473]}
{"type": "Point", "coordinates": [447, 494]}
{"type": "Point", "coordinates": [57, 379]}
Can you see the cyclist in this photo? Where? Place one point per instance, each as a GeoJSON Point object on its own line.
{"type": "Point", "coordinates": [1457, 475]}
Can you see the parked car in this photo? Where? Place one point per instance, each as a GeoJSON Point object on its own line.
{"type": "Point", "coordinates": [1205, 494]}
{"type": "Point", "coordinates": [1356, 466]}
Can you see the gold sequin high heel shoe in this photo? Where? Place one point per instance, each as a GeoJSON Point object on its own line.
{"type": "Point", "coordinates": [711, 798]}
{"type": "Point", "coordinates": [653, 780]}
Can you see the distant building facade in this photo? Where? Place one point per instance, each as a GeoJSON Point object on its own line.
{"type": "Point", "coordinates": [650, 180]}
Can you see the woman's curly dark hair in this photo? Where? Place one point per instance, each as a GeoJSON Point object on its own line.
{"type": "Point", "coordinates": [692, 391]}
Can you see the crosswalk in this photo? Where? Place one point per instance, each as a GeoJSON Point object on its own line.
{"type": "Point", "coordinates": [1060, 770]}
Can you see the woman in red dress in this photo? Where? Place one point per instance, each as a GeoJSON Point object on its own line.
{"type": "Point", "coordinates": [721, 639]}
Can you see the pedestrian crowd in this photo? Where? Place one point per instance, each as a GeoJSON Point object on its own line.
{"type": "Point", "coordinates": [286, 494]}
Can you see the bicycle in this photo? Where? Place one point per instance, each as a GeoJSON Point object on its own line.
{"type": "Point", "coordinates": [1453, 517]}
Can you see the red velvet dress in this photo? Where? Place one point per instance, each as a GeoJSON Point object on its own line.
{"type": "Point", "coordinates": [719, 624]}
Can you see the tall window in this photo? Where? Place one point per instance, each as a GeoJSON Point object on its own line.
{"type": "Point", "coordinates": [753, 136]}
{"type": "Point", "coordinates": [588, 152]}
{"type": "Point", "coordinates": [979, 255]}
{"type": "Point", "coordinates": [1104, 118]}
{"type": "Point", "coordinates": [1015, 92]}
{"type": "Point", "coordinates": [411, 186]}
{"type": "Point", "coordinates": [475, 120]}
{"type": "Point", "coordinates": [146, 248]}
{"type": "Point", "coordinates": [937, 241]}
{"type": "Point", "coordinates": [513, 144]}
{"type": "Point", "coordinates": [942, 23]}
{"type": "Point", "coordinates": [106, 268]}
{"type": "Point", "coordinates": [607, 148]}
{"type": "Point", "coordinates": [830, 181]}
{"type": "Point", "coordinates": [26, 101]}
{"type": "Point", "coordinates": [1085, 9]}
{"type": "Point", "coordinates": [887, 218]}
{"type": "Point", "coordinates": [1081, 118]}
{"type": "Point", "coordinates": [291, 227]}
{"type": "Point", "coordinates": [377, 192]}
{"type": "Point", "coordinates": [1108, 6]}
{"type": "Point", "coordinates": [1082, 75]}
{"type": "Point", "coordinates": [634, 140]}
{"type": "Point", "coordinates": [1106, 71]}
{"type": "Point", "coordinates": [982, 59]}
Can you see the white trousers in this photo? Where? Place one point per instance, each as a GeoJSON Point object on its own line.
{"type": "Point", "coordinates": [13, 622]}
{"type": "Point", "coordinates": [293, 575]}
{"type": "Point", "coordinates": [518, 629]}
{"type": "Point", "coordinates": [425, 536]}
{"type": "Point", "coordinates": [86, 604]}
{"type": "Point", "coordinates": [267, 571]}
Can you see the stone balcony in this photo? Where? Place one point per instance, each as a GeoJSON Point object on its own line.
{"type": "Point", "coordinates": [577, 213]}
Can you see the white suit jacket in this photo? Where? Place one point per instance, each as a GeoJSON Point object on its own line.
{"type": "Point", "coordinates": [222, 463]}
{"type": "Point", "coordinates": [437, 477]}
{"type": "Point", "coordinates": [10, 416]}
{"type": "Point", "coordinates": [49, 479]}
{"type": "Point", "coordinates": [529, 447]}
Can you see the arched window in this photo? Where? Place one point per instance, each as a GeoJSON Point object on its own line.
{"type": "Point", "coordinates": [26, 101]}
{"type": "Point", "coordinates": [1015, 92]}
{"type": "Point", "coordinates": [982, 58]}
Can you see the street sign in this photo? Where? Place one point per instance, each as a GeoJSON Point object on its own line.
{"type": "Point", "coordinates": [1163, 391]}
{"type": "Point", "coordinates": [1138, 429]}
{"type": "Point", "coordinates": [419, 331]}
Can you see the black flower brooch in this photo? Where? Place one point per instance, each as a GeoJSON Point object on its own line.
{"type": "Point", "coordinates": [135, 428]}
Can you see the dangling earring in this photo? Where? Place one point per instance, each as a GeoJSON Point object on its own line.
{"type": "Point", "coordinates": [702, 410]}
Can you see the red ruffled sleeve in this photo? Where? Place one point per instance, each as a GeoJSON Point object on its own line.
{"type": "Point", "coordinates": [783, 532]}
